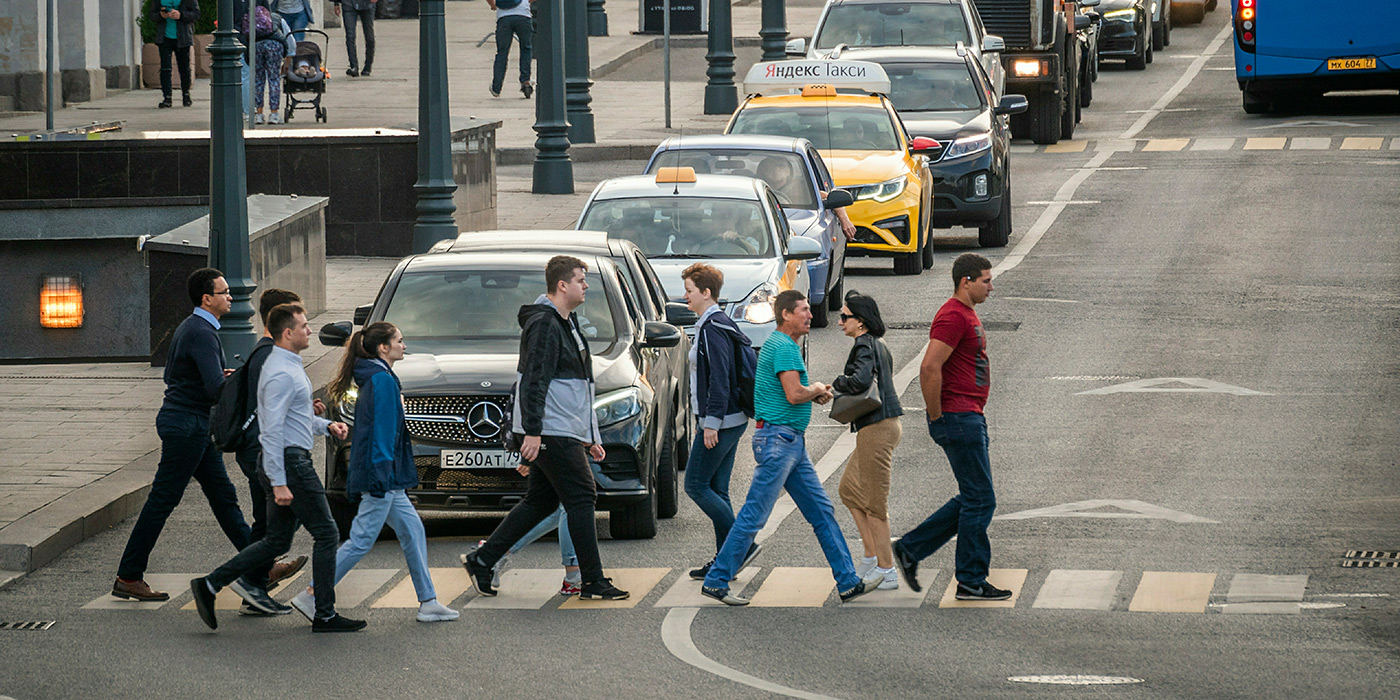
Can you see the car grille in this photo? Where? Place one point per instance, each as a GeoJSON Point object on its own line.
{"type": "Point", "coordinates": [467, 420]}
{"type": "Point", "coordinates": [432, 478]}
{"type": "Point", "coordinates": [1008, 19]}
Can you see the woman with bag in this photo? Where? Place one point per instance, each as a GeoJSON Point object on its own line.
{"type": "Point", "coordinates": [275, 47]}
{"type": "Point", "coordinates": [381, 466]}
{"type": "Point", "coordinates": [865, 485]}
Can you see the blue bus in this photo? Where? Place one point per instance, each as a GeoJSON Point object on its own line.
{"type": "Point", "coordinates": [1291, 49]}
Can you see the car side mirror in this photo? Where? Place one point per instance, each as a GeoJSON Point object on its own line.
{"type": "Point", "coordinates": [1012, 104]}
{"type": "Point", "coordinates": [335, 335]}
{"type": "Point", "coordinates": [838, 198]}
{"type": "Point", "coordinates": [796, 47]}
{"type": "Point", "coordinates": [678, 314]}
{"type": "Point", "coordinates": [660, 335]}
{"type": "Point", "coordinates": [993, 44]}
{"type": "Point", "coordinates": [802, 248]}
{"type": "Point", "coordinates": [923, 145]}
{"type": "Point", "coordinates": [1082, 22]}
{"type": "Point", "coordinates": [362, 314]}
{"type": "Point", "coordinates": [1088, 3]}
{"type": "Point", "coordinates": [1094, 16]}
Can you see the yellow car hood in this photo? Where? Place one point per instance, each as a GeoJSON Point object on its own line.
{"type": "Point", "coordinates": [864, 167]}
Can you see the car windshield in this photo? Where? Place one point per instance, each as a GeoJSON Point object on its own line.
{"type": "Point", "coordinates": [785, 172]}
{"type": "Point", "coordinates": [828, 128]}
{"type": "Point", "coordinates": [684, 227]}
{"type": "Point", "coordinates": [893, 24]}
{"type": "Point", "coordinates": [932, 87]}
{"type": "Point", "coordinates": [481, 307]}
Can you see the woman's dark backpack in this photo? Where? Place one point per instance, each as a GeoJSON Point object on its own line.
{"type": "Point", "coordinates": [745, 369]}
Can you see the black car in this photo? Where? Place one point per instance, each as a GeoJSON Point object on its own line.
{"type": "Point", "coordinates": [1126, 32]}
{"type": "Point", "coordinates": [947, 103]}
{"type": "Point", "coordinates": [456, 307]}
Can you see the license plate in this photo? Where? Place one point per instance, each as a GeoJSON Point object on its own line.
{"type": "Point", "coordinates": [1351, 63]}
{"type": "Point", "coordinates": [479, 459]}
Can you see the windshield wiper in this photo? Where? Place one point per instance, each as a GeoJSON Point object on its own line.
{"type": "Point", "coordinates": [682, 255]}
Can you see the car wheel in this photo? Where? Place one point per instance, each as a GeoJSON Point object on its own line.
{"type": "Point", "coordinates": [1159, 35]}
{"type": "Point", "coordinates": [1190, 14]}
{"type": "Point", "coordinates": [1069, 117]}
{"type": "Point", "coordinates": [634, 521]}
{"type": "Point", "coordinates": [995, 233]}
{"type": "Point", "coordinates": [1042, 120]}
{"type": "Point", "coordinates": [820, 315]}
{"type": "Point", "coordinates": [1086, 89]}
{"type": "Point", "coordinates": [926, 253]}
{"type": "Point", "coordinates": [667, 478]}
{"type": "Point", "coordinates": [1138, 62]}
{"type": "Point", "coordinates": [1148, 52]}
{"type": "Point", "coordinates": [836, 297]}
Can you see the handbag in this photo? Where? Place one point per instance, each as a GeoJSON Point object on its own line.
{"type": "Point", "coordinates": [846, 408]}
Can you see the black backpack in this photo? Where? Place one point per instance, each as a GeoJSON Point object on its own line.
{"type": "Point", "coordinates": [234, 413]}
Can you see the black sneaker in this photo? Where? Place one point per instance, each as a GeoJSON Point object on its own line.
{"type": "Point", "coordinates": [258, 598]}
{"type": "Point", "coordinates": [247, 610]}
{"type": "Point", "coordinates": [494, 92]}
{"type": "Point", "coordinates": [700, 573]}
{"type": "Point", "coordinates": [339, 623]}
{"type": "Point", "coordinates": [854, 592]}
{"type": "Point", "coordinates": [986, 591]}
{"type": "Point", "coordinates": [723, 595]}
{"type": "Point", "coordinates": [165, 104]}
{"type": "Point", "coordinates": [908, 566]}
{"type": "Point", "coordinates": [352, 72]}
{"type": "Point", "coordinates": [365, 72]}
{"type": "Point", "coordinates": [480, 573]}
{"type": "Point", "coordinates": [186, 101]}
{"type": "Point", "coordinates": [204, 602]}
{"type": "Point", "coordinates": [602, 589]}
{"type": "Point", "coordinates": [754, 550]}
{"type": "Point", "coordinates": [527, 90]}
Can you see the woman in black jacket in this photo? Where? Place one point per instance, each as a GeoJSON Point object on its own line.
{"type": "Point", "coordinates": [174, 20]}
{"type": "Point", "coordinates": [865, 485]}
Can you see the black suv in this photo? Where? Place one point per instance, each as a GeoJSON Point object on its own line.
{"type": "Point", "coordinates": [456, 307]}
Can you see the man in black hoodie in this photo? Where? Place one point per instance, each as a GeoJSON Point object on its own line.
{"type": "Point", "coordinates": [554, 422]}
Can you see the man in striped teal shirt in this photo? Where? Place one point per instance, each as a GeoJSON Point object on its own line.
{"type": "Point", "coordinates": [783, 408]}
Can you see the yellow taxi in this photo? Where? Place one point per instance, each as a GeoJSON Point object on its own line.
{"type": "Point", "coordinates": [842, 108]}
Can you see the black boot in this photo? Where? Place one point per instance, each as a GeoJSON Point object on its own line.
{"type": "Point", "coordinates": [165, 103]}
{"type": "Point", "coordinates": [187, 101]}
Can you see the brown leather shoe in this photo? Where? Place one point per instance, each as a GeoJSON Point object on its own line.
{"type": "Point", "coordinates": [137, 590]}
{"type": "Point", "coordinates": [283, 570]}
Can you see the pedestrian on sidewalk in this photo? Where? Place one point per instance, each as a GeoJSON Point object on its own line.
{"type": "Point", "coordinates": [955, 377]}
{"type": "Point", "coordinates": [174, 21]}
{"type": "Point", "coordinates": [783, 408]}
{"type": "Point", "coordinates": [554, 422]}
{"type": "Point", "coordinates": [287, 431]}
{"type": "Point", "coordinates": [513, 20]}
{"type": "Point", "coordinates": [298, 15]}
{"type": "Point", "coordinates": [361, 11]}
{"type": "Point", "coordinates": [194, 372]}
{"type": "Point", "coordinates": [250, 452]}
{"type": "Point", "coordinates": [274, 48]}
{"type": "Point", "coordinates": [865, 485]}
{"type": "Point", "coordinates": [381, 467]}
{"type": "Point", "coordinates": [714, 399]}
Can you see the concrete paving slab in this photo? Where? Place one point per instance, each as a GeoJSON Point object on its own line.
{"type": "Point", "coordinates": [1012, 579]}
{"type": "Point", "coordinates": [1170, 591]}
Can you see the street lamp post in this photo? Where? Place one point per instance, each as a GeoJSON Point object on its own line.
{"type": "Point", "coordinates": [576, 81]}
{"type": "Point", "coordinates": [774, 30]}
{"type": "Point", "coordinates": [721, 96]}
{"type": "Point", "coordinates": [228, 191]}
{"type": "Point", "coordinates": [435, 184]}
{"type": "Point", "coordinates": [597, 18]}
{"type": "Point", "coordinates": [554, 171]}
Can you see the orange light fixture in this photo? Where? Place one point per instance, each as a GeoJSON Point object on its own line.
{"type": "Point", "coordinates": [61, 301]}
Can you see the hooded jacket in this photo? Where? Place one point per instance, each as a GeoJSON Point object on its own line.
{"type": "Point", "coordinates": [714, 400]}
{"type": "Point", "coordinates": [554, 388]}
{"type": "Point", "coordinates": [381, 456]}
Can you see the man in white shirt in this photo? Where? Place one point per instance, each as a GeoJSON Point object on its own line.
{"type": "Point", "coordinates": [512, 21]}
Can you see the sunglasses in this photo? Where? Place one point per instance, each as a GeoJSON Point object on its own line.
{"type": "Point", "coordinates": [847, 317]}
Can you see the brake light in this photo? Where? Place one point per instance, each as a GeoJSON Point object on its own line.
{"type": "Point", "coordinates": [1245, 29]}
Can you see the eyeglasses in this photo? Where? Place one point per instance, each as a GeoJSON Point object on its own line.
{"type": "Point", "coordinates": [226, 292]}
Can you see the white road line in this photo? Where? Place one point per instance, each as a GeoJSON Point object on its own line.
{"type": "Point", "coordinates": [1181, 83]}
{"type": "Point", "coordinates": [675, 633]}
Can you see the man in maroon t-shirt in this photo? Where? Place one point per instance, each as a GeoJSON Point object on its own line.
{"type": "Point", "coordinates": [955, 377]}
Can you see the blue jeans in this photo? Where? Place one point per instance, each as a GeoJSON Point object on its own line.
{"type": "Point", "coordinates": [566, 543]}
{"type": "Point", "coordinates": [396, 510]}
{"type": "Point", "coordinates": [707, 478]}
{"type": "Point", "coordinates": [783, 464]}
{"type": "Point", "coordinates": [297, 21]}
{"type": "Point", "coordinates": [508, 27]}
{"type": "Point", "coordinates": [963, 437]}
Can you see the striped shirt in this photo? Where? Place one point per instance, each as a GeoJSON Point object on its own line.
{"type": "Point", "coordinates": [779, 354]}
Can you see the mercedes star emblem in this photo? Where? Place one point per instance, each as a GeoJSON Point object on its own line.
{"type": "Point", "coordinates": [484, 420]}
{"type": "Point", "coordinates": [486, 385]}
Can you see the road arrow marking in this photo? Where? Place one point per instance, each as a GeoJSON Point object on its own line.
{"type": "Point", "coordinates": [1136, 510]}
{"type": "Point", "coordinates": [1185, 385]}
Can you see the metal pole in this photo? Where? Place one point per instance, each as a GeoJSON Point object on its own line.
{"type": "Point", "coordinates": [597, 18]}
{"type": "Point", "coordinates": [774, 30]}
{"type": "Point", "coordinates": [228, 191]}
{"type": "Point", "coordinates": [554, 171]}
{"type": "Point", "coordinates": [435, 184]}
{"type": "Point", "coordinates": [721, 96]}
{"type": "Point", "coordinates": [51, 32]}
{"type": "Point", "coordinates": [576, 81]}
{"type": "Point", "coordinates": [666, 54]}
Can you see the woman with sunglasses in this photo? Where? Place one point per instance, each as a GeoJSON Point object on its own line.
{"type": "Point", "coordinates": [865, 485]}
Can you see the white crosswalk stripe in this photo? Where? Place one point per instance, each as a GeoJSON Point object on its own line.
{"type": "Point", "coordinates": [1079, 590]}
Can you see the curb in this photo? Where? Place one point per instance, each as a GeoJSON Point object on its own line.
{"type": "Point", "coordinates": [582, 153]}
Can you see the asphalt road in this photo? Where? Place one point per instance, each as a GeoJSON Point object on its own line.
{"type": "Point", "coordinates": [1271, 271]}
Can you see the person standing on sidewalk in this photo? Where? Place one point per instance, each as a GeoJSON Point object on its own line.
{"type": "Point", "coordinates": [553, 420]}
{"type": "Point", "coordinates": [783, 406]}
{"type": "Point", "coordinates": [513, 20]}
{"type": "Point", "coordinates": [194, 372]}
{"type": "Point", "coordinates": [174, 21]}
{"type": "Point", "coordinates": [714, 398]}
{"type": "Point", "coordinates": [955, 377]}
{"type": "Point", "coordinates": [381, 466]}
{"type": "Point", "coordinates": [297, 13]}
{"type": "Point", "coordinates": [361, 11]}
{"type": "Point", "coordinates": [287, 431]}
{"type": "Point", "coordinates": [865, 485]}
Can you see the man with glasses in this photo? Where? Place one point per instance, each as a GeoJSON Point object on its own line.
{"type": "Point", "coordinates": [194, 371]}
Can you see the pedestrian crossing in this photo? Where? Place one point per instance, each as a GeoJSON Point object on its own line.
{"type": "Point", "coordinates": [1247, 143]}
{"type": "Point", "coordinates": [787, 587]}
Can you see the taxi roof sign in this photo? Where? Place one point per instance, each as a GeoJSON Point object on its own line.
{"type": "Point", "coordinates": [681, 174]}
{"type": "Point", "coordinates": [795, 75]}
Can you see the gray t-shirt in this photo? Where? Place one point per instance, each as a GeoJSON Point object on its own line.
{"type": "Point", "coordinates": [285, 6]}
{"type": "Point", "coordinates": [522, 10]}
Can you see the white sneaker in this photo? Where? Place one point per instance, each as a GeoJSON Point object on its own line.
{"type": "Point", "coordinates": [274, 118]}
{"type": "Point", "coordinates": [872, 579]}
{"type": "Point", "coordinates": [304, 603]}
{"type": "Point", "coordinates": [433, 611]}
{"type": "Point", "coordinates": [891, 579]}
{"type": "Point", "coordinates": [258, 118]}
{"type": "Point", "coordinates": [866, 565]}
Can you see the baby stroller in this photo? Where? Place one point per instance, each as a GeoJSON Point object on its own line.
{"type": "Point", "coordinates": [307, 75]}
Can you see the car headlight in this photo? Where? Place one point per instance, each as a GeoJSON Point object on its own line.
{"type": "Point", "coordinates": [345, 406]}
{"type": "Point", "coordinates": [617, 406]}
{"type": "Point", "coordinates": [880, 192]}
{"type": "Point", "coordinates": [758, 308]}
{"type": "Point", "coordinates": [1120, 14]}
{"type": "Point", "coordinates": [968, 145]}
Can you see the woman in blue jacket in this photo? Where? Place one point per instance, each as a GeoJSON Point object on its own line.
{"type": "Point", "coordinates": [381, 465]}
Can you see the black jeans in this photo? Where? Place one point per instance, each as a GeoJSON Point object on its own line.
{"type": "Point", "coordinates": [185, 452]}
{"type": "Point", "coordinates": [507, 27]}
{"type": "Point", "coordinates": [560, 474]}
{"type": "Point", "coordinates": [310, 508]}
{"type": "Point", "coordinates": [365, 17]}
{"type": "Point", "coordinates": [248, 457]}
{"type": "Point", "coordinates": [182, 57]}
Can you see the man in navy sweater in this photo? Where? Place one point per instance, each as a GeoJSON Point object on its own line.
{"type": "Point", "coordinates": [194, 371]}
